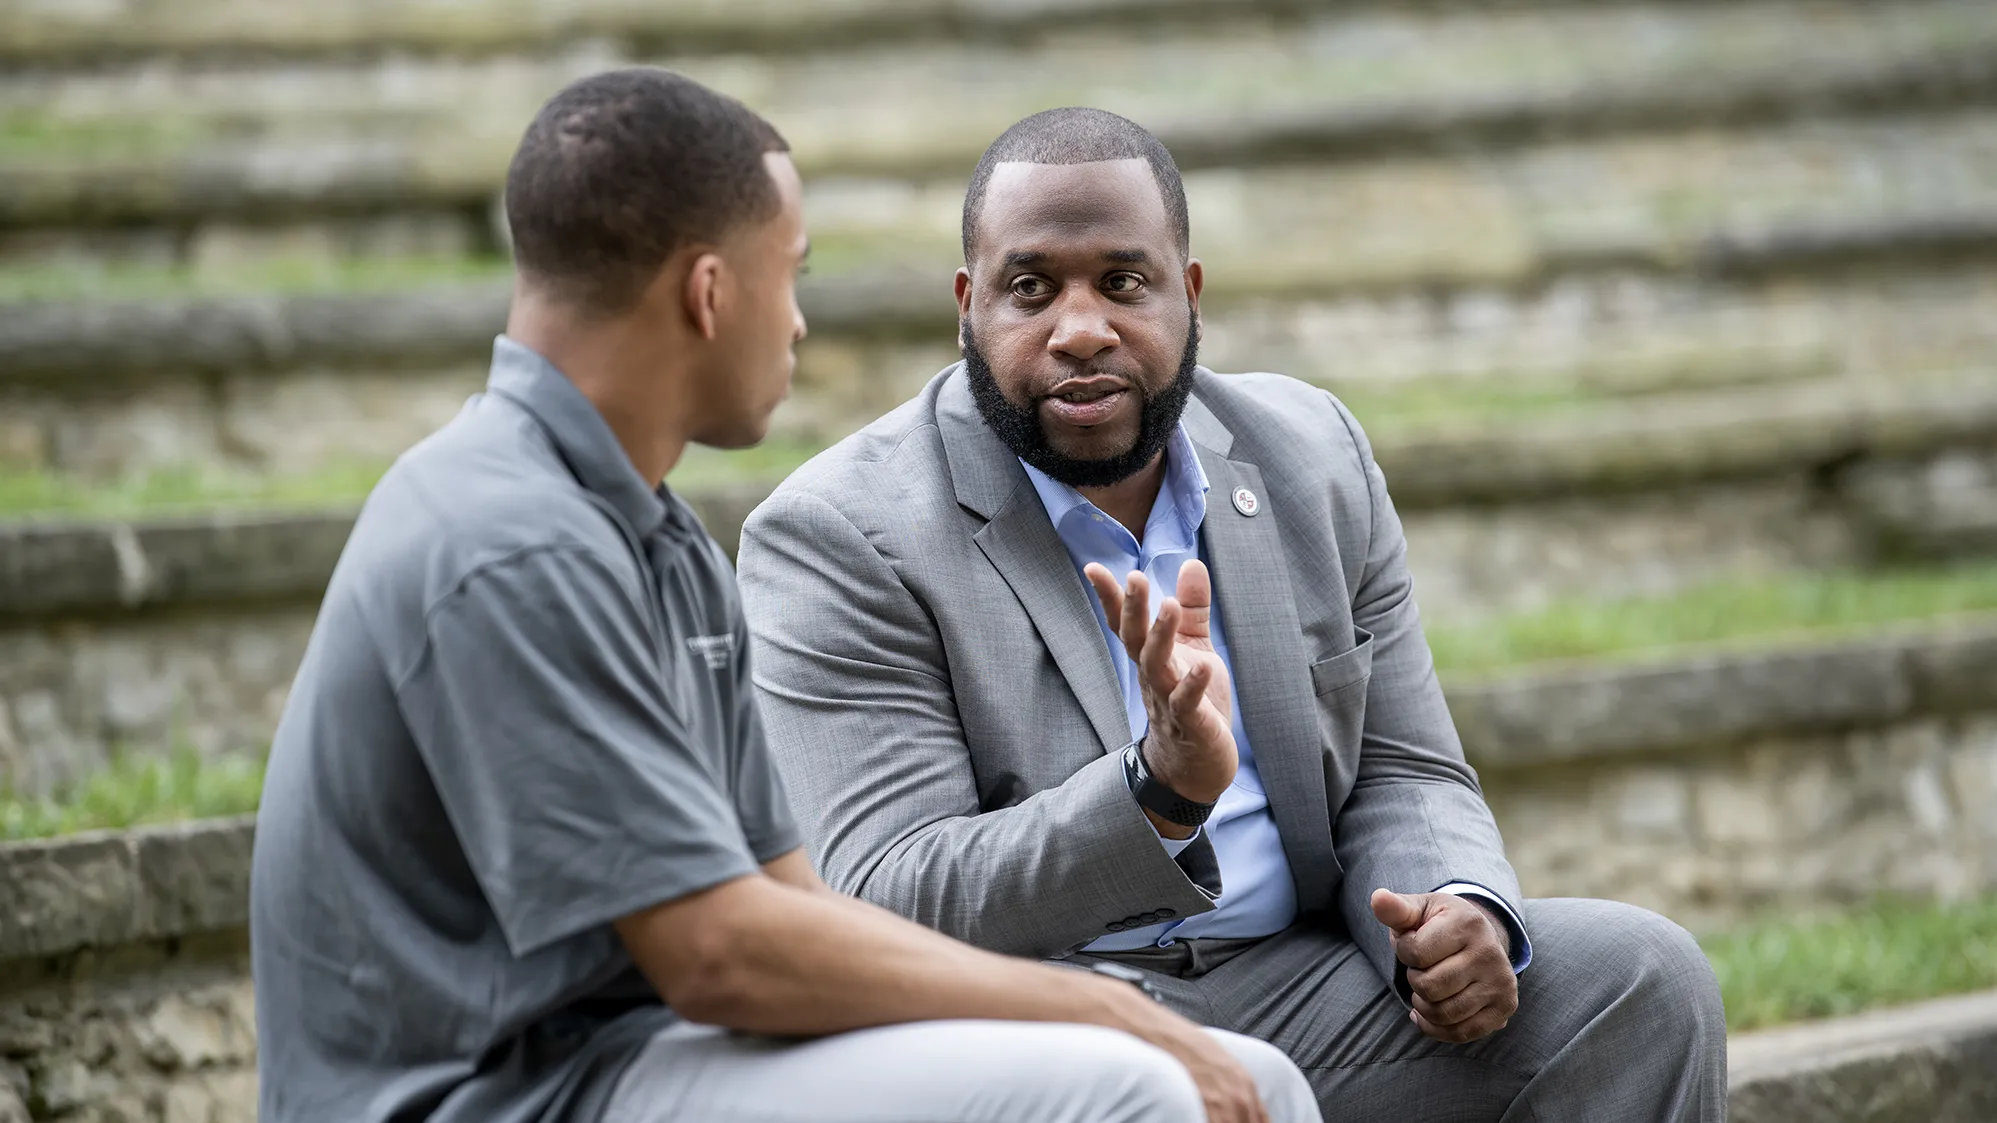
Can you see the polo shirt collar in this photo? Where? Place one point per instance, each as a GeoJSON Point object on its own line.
{"type": "Point", "coordinates": [581, 436]}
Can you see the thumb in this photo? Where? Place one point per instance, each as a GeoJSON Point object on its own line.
{"type": "Point", "coordinates": [1396, 910]}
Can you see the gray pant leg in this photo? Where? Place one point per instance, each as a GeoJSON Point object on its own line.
{"type": "Point", "coordinates": [927, 1072]}
{"type": "Point", "coordinates": [1619, 1018]}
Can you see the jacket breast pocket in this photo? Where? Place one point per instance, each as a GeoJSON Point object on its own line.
{"type": "Point", "coordinates": [1345, 669]}
{"type": "Point", "coordinates": [1340, 685]}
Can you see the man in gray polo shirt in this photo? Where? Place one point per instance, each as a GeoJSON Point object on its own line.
{"type": "Point", "coordinates": [522, 854]}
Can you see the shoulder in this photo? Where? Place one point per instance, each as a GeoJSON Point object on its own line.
{"type": "Point", "coordinates": [487, 489]}
{"type": "Point", "coordinates": [1277, 411]}
{"type": "Point", "coordinates": [892, 474]}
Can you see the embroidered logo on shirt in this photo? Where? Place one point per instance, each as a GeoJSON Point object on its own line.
{"type": "Point", "coordinates": [717, 650]}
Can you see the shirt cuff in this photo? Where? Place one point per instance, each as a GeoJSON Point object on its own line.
{"type": "Point", "coordinates": [1521, 943]}
{"type": "Point", "coordinates": [1177, 846]}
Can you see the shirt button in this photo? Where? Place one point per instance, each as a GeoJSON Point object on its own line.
{"type": "Point", "coordinates": [1115, 926]}
{"type": "Point", "coordinates": [1167, 914]}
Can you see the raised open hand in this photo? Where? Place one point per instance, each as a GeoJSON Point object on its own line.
{"type": "Point", "coordinates": [1187, 694]}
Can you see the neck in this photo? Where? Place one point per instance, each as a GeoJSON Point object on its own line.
{"type": "Point", "coordinates": [1129, 501]}
{"type": "Point", "coordinates": [617, 368]}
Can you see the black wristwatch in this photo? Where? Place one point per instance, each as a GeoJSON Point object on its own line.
{"type": "Point", "coordinates": [1155, 795]}
{"type": "Point", "coordinates": [1127, 974]}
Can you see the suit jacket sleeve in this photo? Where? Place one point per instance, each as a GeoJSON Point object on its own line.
{"type": "Point", "coordinates": [856, 699]}
{"type": "Point", "coordinates": [1416, 819]}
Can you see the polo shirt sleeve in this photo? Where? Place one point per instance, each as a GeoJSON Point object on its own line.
{"type": "Point", "coordinates": [573, 788]}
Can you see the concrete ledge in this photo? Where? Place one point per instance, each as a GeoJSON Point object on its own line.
{"type": "Point", "coordinates": [358, 330]}
{"type": "Point", "coordinates": [1590, 711]}
{"type": "Point", "coordinates": [1935, 1062]}
{"type": "Point", "coordinates": [107, 888]}
{"type": "Point", "coordinates": [45, 340]}
{"type": "Point", "coordinates": [52, 567]}
{"type": "Point", "coordinates": [227, 26]}
{"type": "Point", "coordinates": [62, 567]}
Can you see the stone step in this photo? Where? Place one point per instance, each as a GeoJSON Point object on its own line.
{"type": "Point", "coordinates": [99, 391]}
{"type": "Point", "coordinates": [1931, 1062]}
{"type": "Point", "coordinates": [1609, 502]}
{"type": "Point", "coordinates": [1863, 761]}
{"type": "Point", "coordinates": [344, 135]}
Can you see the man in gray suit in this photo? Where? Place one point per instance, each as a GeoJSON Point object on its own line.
{"type": "Point", "coordinates": [1251, 790]}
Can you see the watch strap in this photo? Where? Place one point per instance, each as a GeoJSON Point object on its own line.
{"type": "Point", "coordinates": [1155, 795]}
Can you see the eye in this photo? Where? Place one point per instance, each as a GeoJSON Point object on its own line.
{"type": "Point", "coordinates": [1028, 288]}
{"type": "Point", "coordinates": [1123, 282]}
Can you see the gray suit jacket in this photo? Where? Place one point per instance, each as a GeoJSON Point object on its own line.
{"type": "Point", "coordinates": [942, 704]}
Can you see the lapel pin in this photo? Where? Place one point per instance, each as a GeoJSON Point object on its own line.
{"type": "Point", "coordinates": [1246, 502]}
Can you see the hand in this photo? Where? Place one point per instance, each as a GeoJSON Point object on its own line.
{"type": "Point", "coordinates": [1225, 1087]}
{"type": "Point", "coordinates": [1458, 960]}
{"type": "Point", "coordinates": [1185, 686]}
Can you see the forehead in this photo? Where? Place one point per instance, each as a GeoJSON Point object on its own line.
{"type": "Point", "coordinates": [1031, 205]}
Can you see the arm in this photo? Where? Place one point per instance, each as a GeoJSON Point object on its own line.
{"type": "Point", "coordinates": [1416, 820]}
{"type": "Point", "coordinates": [765, 955]}
{"type": "Point", "coordinates": [856, 697]}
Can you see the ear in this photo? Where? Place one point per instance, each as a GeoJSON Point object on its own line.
{"type": "Point", "coordinates": [1195, 280]}
{"type": "Point", "coordinates": [702, 295]}
{"type": "Point", "coordinates": [963, 284]}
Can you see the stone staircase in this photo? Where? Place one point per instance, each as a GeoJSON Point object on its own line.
{"type": "Point", "coordinates": [1632, 298]}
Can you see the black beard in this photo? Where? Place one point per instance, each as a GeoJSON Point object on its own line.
{"type": "Point", "coordinates": [1020, 429]}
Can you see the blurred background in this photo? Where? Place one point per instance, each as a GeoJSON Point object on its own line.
{"type": "Point", "coordinates": [1674, 324]}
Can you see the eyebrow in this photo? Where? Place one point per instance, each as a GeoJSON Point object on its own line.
{"type": "Point", "coordinates": [1020, 258]}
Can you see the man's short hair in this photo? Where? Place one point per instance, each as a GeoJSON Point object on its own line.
{"type": "Point", "coordinates": [620, 170]}
{"type": "Point", "coordinates": [1078, 135]}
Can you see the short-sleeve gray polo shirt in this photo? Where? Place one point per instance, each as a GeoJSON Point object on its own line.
{"type": "Point", "coordinates": [525, 711]}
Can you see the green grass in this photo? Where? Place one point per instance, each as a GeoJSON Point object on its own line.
{"type": "Point", "coordinates": [46, 493]}
{"type": "Point", "coordinates": [1781, 969]}
{"type": "Point", "coordinates": [180, 490]}
{"type": "Point", "coordinates": [1772, 970]}
{"type": "Point", "coordinates": [25, 283]}
{"type": "Point", "coordinates": [138, 790]}
{"type": "Point", "coordinates": [1714, 613]}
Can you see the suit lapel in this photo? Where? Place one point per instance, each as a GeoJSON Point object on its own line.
{"type": "Point", "coordinates": [1025, 549]}
{"type": "Point", "coordinates": [1027, 552]}
{"type": "Point", "coordinates": [1258, 617]}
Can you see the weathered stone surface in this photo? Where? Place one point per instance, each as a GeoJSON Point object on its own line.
{"type": "Point", "coordinates": [1935, 1062]}
{"type": "Point", "coordinates": [1589, 711]}
{"type": "Point", "coordinates": [193, 878]}
{"type": "Point", "coordinates": [71, 894]}
{"type": "Point", "coordinates": [399, 330]}
{"type": "Point", "coordinates": [104, 890]}
{"type": "Point", "coordinates": [54, 567]}
{"type": "Point", "coordinates": [1707, 831]}
{"type": "Point", "coordinates": [162, 1035]}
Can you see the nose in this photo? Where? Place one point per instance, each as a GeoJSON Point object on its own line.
{"type": "Point", "coordinates": [1081, 331]}
{"type": "Point", "coordinates": [797, 327]}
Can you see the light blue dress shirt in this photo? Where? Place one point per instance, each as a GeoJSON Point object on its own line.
{"type": "Point", "coordinates": [1258, 897]}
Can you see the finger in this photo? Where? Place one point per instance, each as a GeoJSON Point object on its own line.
{"type": "Point", "coordinates": [1459, 1007]}
{"type": "Point", "coordinates": [1396, 910]}
{"type": "Point", "coordinates": [1186, 697]}
{"type": "Point", "coordinates": [1135, 620]}
{"type": "Point", "coordinates": [1155, 658]}
{"type": "Point", "coordinates": [1461, 1033]}
{"type": "Point", "coordinates": [1107, 591]}
{"type": "Point", "coordinates": [1445, 980]}
{"type": "Point", "coordinates": [1196, 597]}
{"type": "Point", "coordinates": [1436, 939]}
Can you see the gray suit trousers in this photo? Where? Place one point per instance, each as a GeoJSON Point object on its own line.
{"type": "Point", "coordinates": [1619, 1021]}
